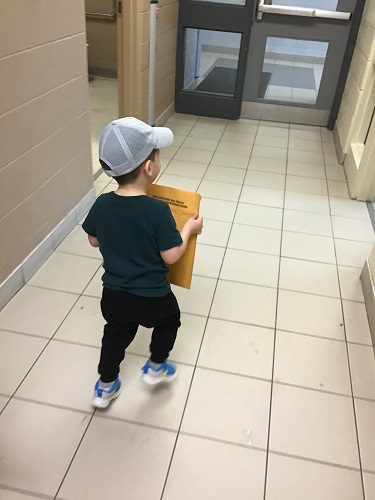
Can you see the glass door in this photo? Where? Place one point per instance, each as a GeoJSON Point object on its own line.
{"type": "Point", "coordinates": [295, 57]}
{"type": "Point", "coordinates": [213, 39]}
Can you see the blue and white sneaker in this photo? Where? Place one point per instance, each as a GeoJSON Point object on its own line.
{"type": "Point", "coordinates": [166, 372]}
{"type": "Point", "coordinates": [102, 397]}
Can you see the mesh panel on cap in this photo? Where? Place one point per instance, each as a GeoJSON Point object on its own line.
{"type": "Point", "coordinates": [136, 140]}
{"type": "Point", "coordinates": [112, 153]}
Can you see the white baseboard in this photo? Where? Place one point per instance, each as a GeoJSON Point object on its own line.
{"type": "Point", "coordinates": [164, 117]}
{"type": "Point", "coordinates": [30, 265]}
{"type": "Point", "coordinates": [369, 293]}
{"type": "Point", "coordinates": [351, 166]}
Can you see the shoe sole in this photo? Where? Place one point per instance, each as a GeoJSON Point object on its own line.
{"type": "Point", "coordinates": [104, 403]}
{"type": "Point", "coordinates": [150, 380]}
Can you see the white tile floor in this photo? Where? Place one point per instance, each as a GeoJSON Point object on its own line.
{"type": "Point", "coordinates": [275, 398]}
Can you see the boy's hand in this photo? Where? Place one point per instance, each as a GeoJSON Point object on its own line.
{"type": "Point", "coordinates": [195, 224]}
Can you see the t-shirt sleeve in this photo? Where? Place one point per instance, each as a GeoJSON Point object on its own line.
{"type": "Point", "coordinates": [89, 224]}
{"type": "Point", "coordinates": [168, 235]}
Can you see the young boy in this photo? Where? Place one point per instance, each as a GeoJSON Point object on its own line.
{"type": "Point", "coordinates": [137, 237]}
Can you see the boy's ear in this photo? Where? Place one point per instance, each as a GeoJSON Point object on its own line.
{"type": "Point", "coordinates": [147, 168]}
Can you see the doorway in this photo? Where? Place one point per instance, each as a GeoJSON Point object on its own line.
{"type": "Point", "coordinates": [102, 53]}
{"type": "Point", "coordinates": [279, 60]}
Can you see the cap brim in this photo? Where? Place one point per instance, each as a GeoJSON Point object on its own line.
{"type": "Point", "coordinates": [163, 137]}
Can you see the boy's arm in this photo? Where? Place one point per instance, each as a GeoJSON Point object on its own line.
{"type": "Point", "coordinates": [89, 227]}
{"type": "Point", "coordinates": [94, 242]}
{"type": "Point", "coordinates": [193, 226]}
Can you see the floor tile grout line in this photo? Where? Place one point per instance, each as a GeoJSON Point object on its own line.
{"type": "Point", "coordinates": [105, 416]}
{"type": "Point", "coordinates": [315, 294]}
{"type": "Point", "coordinates": [276, 255]}
{"type": "Point", "coordinates": [312, 389]}
{"type": "Point", "coordinates": [347, 353]}
{"type": "Point", "coordinates": [76, 254]}
{"type": "Point", "coordinates": [283, 256]}
{"type": "Point", "coordinates": [75, 454]}
{"type": "Point", "coordinates": [331, 236]}
{"type": "Point", "coordinates": [305, 334]}
{"type": "Point", "coordinates": [26, 334]}
{"type": "Point", "coordinates": [14, 489]}
{"type": "Point", "coordinates": [210, 162]}
{"type": "Point", "coordinates": [286, 231]}
{"type": "Point", "coordinates": [290, 209]}
{"type": "Point", "coordinates": [314, 460]}
{"type": "Point", "coordinates": [223, 279]}
{"type": "Point", "coordinates": [76, 294]}
{"type": "Point", "coordinates": [200, 367]}
{"type": "Point", "coordinates": [275, 335]}
{"type": "Point", "coordinates": [273, 287]}
{"type": "Point", "coordinates": [195, 367]}
{"type": "Point", "coordinates": [323, 338]}
{"type": "Point", "coordinates": [185, 405]}
{"type": "Point", "coordinates": [53, 405]}
{"type": "Point", "coordinates": [269, 254]}
{"type": "Point", "coordinates": [223, 441]}
{"type": "Point", "coordinates": [248, 170]}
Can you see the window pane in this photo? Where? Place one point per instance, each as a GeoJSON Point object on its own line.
{"type": "Point", "coordinates": [211, 61]}
{"type": "Point", "coordinates": [292, 70]}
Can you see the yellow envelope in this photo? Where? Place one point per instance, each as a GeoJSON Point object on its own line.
{"type": "Point", "coordinates": [182, 204]}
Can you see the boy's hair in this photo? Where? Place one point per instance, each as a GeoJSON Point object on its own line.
{"type": "Point", "coordinates": [132, 176]}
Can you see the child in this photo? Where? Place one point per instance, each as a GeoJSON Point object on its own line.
{"type": "Point", "coordinates": [137, 237]}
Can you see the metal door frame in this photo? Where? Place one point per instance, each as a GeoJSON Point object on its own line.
{"type": "Point", "coordinates": [216, 17]}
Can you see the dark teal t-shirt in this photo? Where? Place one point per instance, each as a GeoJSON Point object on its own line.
{"type": "Point", "coordinates": [132, 231]}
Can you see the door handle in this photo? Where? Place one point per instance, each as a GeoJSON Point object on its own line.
{"type": "Point", "coordinates": [300, 12]}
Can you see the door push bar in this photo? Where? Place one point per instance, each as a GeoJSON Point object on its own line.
{"type": "Point", "coordinates": [300, 12]}
{"type": "Point", "coordinates": [103, 16]}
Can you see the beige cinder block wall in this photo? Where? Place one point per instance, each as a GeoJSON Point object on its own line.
{"type": "Point", "coordinates": [45, 156]}
{"type": "Point", "coordinates": [136, 19]}
{"type": "Point", "coordinates": [166, 57]}
{"type": "Point", "coordinates": [359, 83]}
{"type": "Point", "coordinates": [101, 39]}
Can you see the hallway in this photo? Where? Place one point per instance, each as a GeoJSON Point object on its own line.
{"type": "Point", "coordinates": [275, 395]}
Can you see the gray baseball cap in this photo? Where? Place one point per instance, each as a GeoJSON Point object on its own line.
{"type": "Point", "coordinates": [128, 142]}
